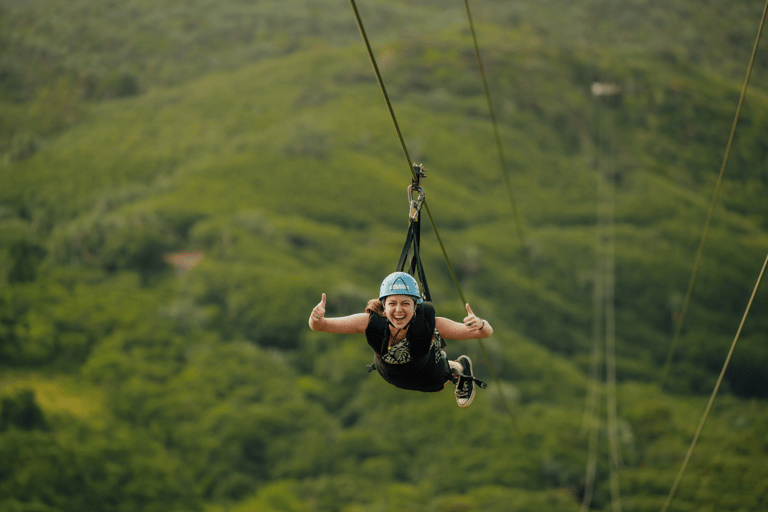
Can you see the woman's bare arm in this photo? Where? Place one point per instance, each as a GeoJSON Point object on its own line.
{"type": "Point", "coordinates": [472, 328]}
{"type": "Point", "coordinates": [352, 324]}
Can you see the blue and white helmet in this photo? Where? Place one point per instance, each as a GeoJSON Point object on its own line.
{"type": "Point", "coordinates": [400, 283]}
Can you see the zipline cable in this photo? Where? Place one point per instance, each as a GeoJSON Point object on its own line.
{"type": "Point", "coordinates": [705, 234]}
{"type": "Point", "coordinates": [603, 314]}
{"type": "Point", "coordinates": [591, 419]}
{"type": "Point", "coordinates": [502, 158]}
{"type": "Point", "coordinates": [714, 392]}
{"type": "Point", "coordinates": [610, 342]}
{"type": "Point", "coordinates": [505, 173]}
{"type": "Point", "coordinates": [426, 208]}
{"type": "Point", "coordinates": [606, 228]}
{"type": "Point", "coordinates": [383, 89]}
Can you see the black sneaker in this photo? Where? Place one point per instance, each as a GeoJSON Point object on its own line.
{"type": "Point", "coordinates": [465, 387]}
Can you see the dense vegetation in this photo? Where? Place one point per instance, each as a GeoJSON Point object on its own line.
{"type": "Point", "coordinates": [181, 181]}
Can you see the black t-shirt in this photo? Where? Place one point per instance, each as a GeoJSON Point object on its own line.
{"type": "Point", "coordinates": [416, 363]}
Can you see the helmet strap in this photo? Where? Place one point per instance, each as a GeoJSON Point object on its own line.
{"type": "Point", "coordinates": [394, 336]}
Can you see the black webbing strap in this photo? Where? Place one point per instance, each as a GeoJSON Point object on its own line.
{"type": "Point", "coordinates": [416, 269]}
{"type": "Point", "coordinates": [455, 379]}
{"type": "Point", "coordinates": [413, 238]}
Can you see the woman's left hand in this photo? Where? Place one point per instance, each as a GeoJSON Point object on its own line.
{"type": "Point", "coordinates": [472, 322]}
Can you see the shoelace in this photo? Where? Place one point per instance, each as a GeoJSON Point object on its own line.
{"type": "Point", "coordinates": [463, 388]}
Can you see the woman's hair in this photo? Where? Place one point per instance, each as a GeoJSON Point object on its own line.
{"type": "Point", "coordinates": [375, 306]}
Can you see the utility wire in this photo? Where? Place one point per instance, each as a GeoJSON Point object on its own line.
{"type": "Point", "coordinates": [705, 234]}
{"type": "Point", "coordinates": [426, 207]}
{"type": "Point", "coordinates": [714, 392]}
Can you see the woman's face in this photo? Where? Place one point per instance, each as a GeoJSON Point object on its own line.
{"type": "Point", "coordinates": [399, 309]}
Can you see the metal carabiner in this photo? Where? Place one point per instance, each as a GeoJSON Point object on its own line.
{"type": "Point", "coordinates": [417, 203]}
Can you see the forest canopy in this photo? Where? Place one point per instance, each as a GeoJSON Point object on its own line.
{"type": "Point", "coordinates": [180, 182]}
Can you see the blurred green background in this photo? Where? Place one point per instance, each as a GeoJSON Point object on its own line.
{"type": "Point", "coordinates": [181, 181]}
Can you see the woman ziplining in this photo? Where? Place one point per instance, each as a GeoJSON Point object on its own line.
{"type": "Point", "coordinates": [402, 329]}
{"type": "Point", "coordinates": [407, 338]}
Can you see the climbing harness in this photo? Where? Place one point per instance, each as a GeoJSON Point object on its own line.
{"type": "Point", "coordinates": [413, 237]}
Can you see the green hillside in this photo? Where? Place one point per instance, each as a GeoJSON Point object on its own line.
{"type": "Point", "coordinates": [180, 183]}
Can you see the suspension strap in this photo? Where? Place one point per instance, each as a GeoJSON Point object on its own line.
{"type": "Point", "coordinates": [413, 238]}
